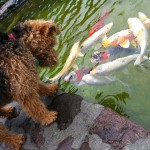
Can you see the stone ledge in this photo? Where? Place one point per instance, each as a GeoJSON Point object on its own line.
{"type": "Point", "coordinates": [80, 126]}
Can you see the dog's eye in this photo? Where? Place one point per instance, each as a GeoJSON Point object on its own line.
{"type": "Point", "coordinates": [20, 28]}
{"type": "Point", "coordinates": [17, 29]}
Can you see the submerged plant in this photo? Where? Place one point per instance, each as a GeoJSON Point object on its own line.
{"type": "Point", "coordinates": [114, 102]}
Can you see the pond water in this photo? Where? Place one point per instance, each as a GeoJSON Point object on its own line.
{"type": "Point", "coordinates": [75, 18]}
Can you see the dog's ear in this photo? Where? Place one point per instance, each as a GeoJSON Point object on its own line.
{"type": "Point", "coordinates": [54, 29]}
{"type": "Point", "coordinates": [49, 28]}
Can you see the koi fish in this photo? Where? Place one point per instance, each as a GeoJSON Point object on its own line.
{"type": "Point", "coordinates": [121, 38]}
{"type": "Point", "coordinates": [76, 76]}
{"type": "Point", "coordinates": [96, 37]}
{"type": "Point", "coordinates": [97, 80]}
{"type": "Point", "coordinates": [111, 54]}
{"type": "Point", "coordinates": [144, 19]}
{"type": "Point", "coordinates": [140, 32]}
{"type": "Point", "coordinates": [109, 67]}
{"type": "Point", "coordinates": [99, 24]}
{"type": "Point", "coordinates": [70, 62]}
{"type": "Point", "coordinates": [82, 77]}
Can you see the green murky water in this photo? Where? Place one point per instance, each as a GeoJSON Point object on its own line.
{"type": "Point", "coordinates": [75, 18]}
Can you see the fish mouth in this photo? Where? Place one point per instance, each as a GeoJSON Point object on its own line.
{"type": "Point", "coordinates": [66, 79]}
{"type": "Point", "coordinates": [93, 60]}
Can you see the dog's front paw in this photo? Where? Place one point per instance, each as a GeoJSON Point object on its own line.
{"type": "Point", "coordinates": [18, 141]}
{"type": "Point", "coordinates": [53, 88]}
{"type": "Point", "coordinates": [49, 118]}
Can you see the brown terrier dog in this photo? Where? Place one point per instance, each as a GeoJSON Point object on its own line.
{"type": "Point", "coordinates": [29, 41]}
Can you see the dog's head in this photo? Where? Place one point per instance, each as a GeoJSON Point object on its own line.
{"type": "Point", "coordinates": [39, 37]}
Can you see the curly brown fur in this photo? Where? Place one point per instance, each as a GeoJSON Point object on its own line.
{"type": "Point", "coordinates": [19, 75]}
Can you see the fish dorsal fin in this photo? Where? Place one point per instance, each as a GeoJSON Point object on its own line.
{"type": "Point", "coordinates": [125, 44]}
{"type": "Point", "coordinates": [80, 54]}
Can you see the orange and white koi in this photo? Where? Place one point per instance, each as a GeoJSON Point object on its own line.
{"type": "Point", "coordinates": [99, 24]}
{"type": "Point", "coordinates": [94, 38]}
{"type": "Point", "coordinates": [140, 33]}
{"type": "Point", "coordinates": [121, 38]}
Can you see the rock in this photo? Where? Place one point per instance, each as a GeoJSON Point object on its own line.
{"type": "Point", "coordinates": [116, 130]}
{"type": "Point", "coordinates": [66, 144]}
{"type": "Point", "coordinates": [67, 106]}
{"type": "Point", "coordinates": [37, 135]}
{"type": "Point", "coordinates": [85, 146]}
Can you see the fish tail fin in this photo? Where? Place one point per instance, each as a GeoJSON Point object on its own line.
{"type": "Point", "coordinates": [106, 12]}
{"type": "Point", "coordinates": [138, 60]}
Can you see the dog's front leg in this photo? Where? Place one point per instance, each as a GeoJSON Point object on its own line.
{"type": "Point", "coordinates": [34, 107]}
{"type": "Point", "coordinates": [47, 89]}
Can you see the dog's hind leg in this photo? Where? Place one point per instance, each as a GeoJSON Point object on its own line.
{"type": "Point", "coordinates": [12, 139]}
{"type": "Point", "coordinates": [34, 107]}
{"type": "Point", "coordinates": [47, 89]}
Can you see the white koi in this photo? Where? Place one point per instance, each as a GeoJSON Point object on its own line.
{"type": "Point", "coordinates": [108, 68]}
{"type": "Point", "coordinates": [70, 62]}
{"type": "Point", "coordinates": [97, 80]}
{"type": "Point", "coordinates": [140, 32]}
